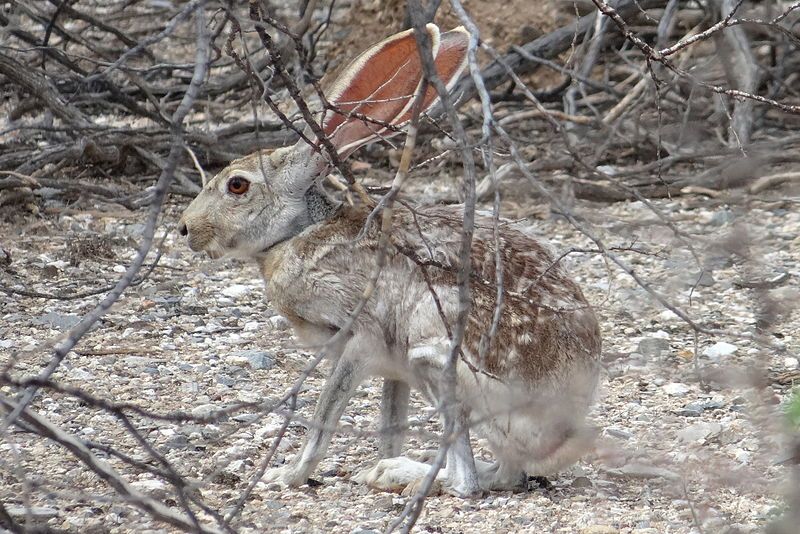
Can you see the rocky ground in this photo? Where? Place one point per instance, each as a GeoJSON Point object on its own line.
{"type": "Point", "coordinates": [691, 434]}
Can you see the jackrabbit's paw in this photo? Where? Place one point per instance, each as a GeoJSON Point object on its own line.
{"type": "Point", "coordinates": [285, 476]}
{"type": "Point", "coordinates": [446, 482]}
{"type": "Point", "coordinates": [415, 486]}
{"type": "Point", "coordinates": [392, 474]}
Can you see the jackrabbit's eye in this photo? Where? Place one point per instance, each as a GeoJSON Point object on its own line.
{"type": "Point", "coordinates": [238, 185]}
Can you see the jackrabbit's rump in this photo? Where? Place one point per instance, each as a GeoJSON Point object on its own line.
{"type": "Point", "coordinates": [525, 388]}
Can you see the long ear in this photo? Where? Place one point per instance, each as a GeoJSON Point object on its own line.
{"type": "Point", "coordinates": [382, 82]}
{"type": "Point", "coordinates": [450, 62]}
{"type": "Point", "coordinates": [379, 84]}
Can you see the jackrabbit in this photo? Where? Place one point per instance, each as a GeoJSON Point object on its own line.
{"type": "Point", "coordinates": [526, 389]}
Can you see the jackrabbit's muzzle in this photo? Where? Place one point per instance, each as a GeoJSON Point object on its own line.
{"type": "Point", "coordinates": [200, 237]}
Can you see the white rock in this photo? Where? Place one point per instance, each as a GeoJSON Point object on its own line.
{"type": "Point", "coordinates": [699, 431]}
{"type": "Point", "coordinates": [608, 169]}
{"type": "Point", "coordinates": [676, 389]}
{"type": "Point", "coordinates": [236, 290]}
{"type": "Point", "coordinates": [719, 349]}
{"type": "Point", "coordinates": [742, 456]}
{"type": "Point", "coordinates": [80, 374]}
{"type": "Point", "coordinates": [790, 363]}
{"type": "Point", "coordinates": [204, 410]}
{"type": "Point", "coordinates": [119, 269]}
{"type": "Point", "coordinates": [37, 513]}
{"type": "Point", "coordinates": [668, 315]}
{"type": "Point", "coordinates": [236, 467]}
{"type": "Point", "coordinates": [10, 447]}
{"type": "Point", "coordinates": [152, 487]}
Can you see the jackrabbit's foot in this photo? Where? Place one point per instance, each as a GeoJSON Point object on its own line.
{"type": "Point", "coordinates": [285, 476]}
{"type": "Point", "coordinates": [392, 474]}
{"type": "Point", "coordinates": [401, 475]}
{"type": "Point", "coordinates": [442, 485]}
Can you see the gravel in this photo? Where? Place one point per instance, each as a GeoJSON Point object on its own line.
{"type": "Point", "coordinates": [690, 432]}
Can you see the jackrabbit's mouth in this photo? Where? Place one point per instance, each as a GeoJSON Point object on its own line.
{"type": "Point", "coordinates": [212, 249]}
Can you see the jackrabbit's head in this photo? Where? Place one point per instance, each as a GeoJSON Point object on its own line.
{"type": "Point", "coordinates": [270, 196]}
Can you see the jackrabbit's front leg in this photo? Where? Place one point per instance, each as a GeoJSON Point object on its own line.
{"type": "Point", "coordinates": [348, 372]}
{"type": "Point", "coordinates": [394, 417]}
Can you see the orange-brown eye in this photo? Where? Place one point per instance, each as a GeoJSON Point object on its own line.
{"type": "Point", "coordinates": [238, 185]}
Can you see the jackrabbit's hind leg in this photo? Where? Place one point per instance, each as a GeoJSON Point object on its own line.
{"type": "Point", "coordinates": [500, 476]}
{"type": "Point", "coordinates": [462, 475]}
{"type": "Point", "coordinates": [563, 452]}
{"type": "Point", "coordinates": [459, 477]}
{"type": "Point", "coordinates": [428, 359]}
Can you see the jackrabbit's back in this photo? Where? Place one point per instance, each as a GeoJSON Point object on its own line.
{"type": "Point", "coordinates": [545, 325]}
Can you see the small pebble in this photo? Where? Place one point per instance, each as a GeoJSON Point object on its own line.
{"type": "Point", "coordinates": [676, 389]}
{"type": "Point", "coordinates": [236, 290]}
{"type": "Point", "coordinates": [699, 431]}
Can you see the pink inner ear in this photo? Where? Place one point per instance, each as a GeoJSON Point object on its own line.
{"type": "Point", "coordinates": [449, 63]}
{"type": "Point", "coordinates": [380, 84]}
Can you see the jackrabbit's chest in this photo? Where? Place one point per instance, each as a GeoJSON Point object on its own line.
{"type": "Point", "coordinates": [320, 288]}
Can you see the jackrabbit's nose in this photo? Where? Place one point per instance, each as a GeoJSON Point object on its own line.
{"type": "Point", "coordinates": [183, 230]}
